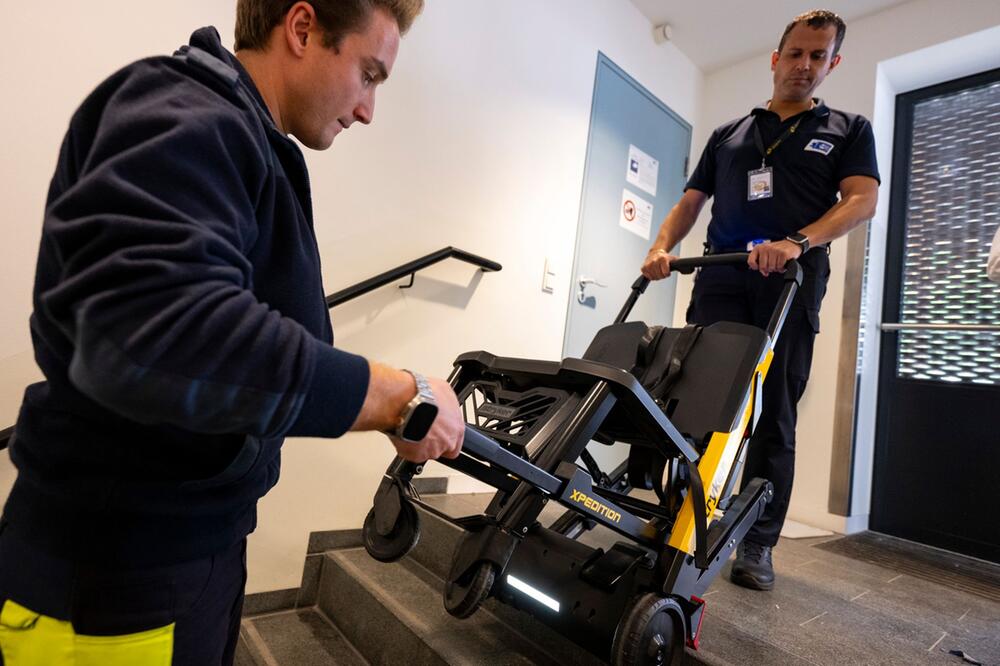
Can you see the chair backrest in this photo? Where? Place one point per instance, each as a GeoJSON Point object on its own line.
{"type": "Point", "coordinates": [709, 393]}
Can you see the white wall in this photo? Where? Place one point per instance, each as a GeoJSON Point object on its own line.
{"type": "Point", "coordinates": [479, 142]}
{"type": "Point", "coordinates": [852, 87]}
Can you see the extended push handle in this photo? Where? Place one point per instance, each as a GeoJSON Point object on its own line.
{"type": "Point", "coordinates": [638, 287]}
{"type": "Point", "coordinates": [793, 273]}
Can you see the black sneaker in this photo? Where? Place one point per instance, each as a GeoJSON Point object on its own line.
{"type": "Point", "coordinates": [753, 568]}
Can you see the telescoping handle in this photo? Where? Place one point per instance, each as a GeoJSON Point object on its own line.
{"type": "Point", "coordinates": [681, 266]}
{"type": "Point", "coordinates": [638, 287]}
{"type": "Point", "coordinates": [793, 273]}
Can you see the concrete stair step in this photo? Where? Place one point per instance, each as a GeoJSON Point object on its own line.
{"type": "Point", "coordinates": [300, 637]}
{"type": "Point", "coordinates": [390, 612]}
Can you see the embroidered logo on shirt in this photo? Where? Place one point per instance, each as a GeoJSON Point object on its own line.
{"type": "Point", "coordinates": [818, 146]}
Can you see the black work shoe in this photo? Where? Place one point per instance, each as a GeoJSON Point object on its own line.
{"type": "Point", "coordinates": [753, 568]}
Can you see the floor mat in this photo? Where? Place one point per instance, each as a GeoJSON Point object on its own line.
{"type": "Point", "coordinates": [939, 566]}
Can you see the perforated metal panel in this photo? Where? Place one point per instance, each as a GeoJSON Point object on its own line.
{"type": "Point", "coordinates": [953, 210]}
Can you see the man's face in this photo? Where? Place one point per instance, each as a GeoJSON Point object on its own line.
{"type": "Point", "coordinates": [803, 63]}
{"type": "Point", "coordinates": [336, 86]}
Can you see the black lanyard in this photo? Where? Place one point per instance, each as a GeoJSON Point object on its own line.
{"type": "Point", "coordinates": [759, 140]}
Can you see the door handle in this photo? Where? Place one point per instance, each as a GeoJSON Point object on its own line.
{"type": "Point", "coordinates": [582, 283]}
{"type": "Point", "coordinates": [985, 328]}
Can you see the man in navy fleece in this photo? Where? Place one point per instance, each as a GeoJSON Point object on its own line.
{"type": "Point", "coordinates": [180, 322]}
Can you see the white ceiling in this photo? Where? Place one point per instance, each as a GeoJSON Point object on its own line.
{"type": "Point", "coordinates": [718, 33]}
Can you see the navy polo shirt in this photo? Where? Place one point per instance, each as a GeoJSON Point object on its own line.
{"type": "Point", "coordinates": [828, 146]}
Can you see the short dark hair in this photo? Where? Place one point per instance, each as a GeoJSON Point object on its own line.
{"type": "Point", "coordinates": [255, 19]}
{"type": "Point", "coordinates": [818, 19]}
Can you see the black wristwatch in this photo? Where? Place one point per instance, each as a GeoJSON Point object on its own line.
{"type": "Point", "coordinates": [418, 415]}
{"type": "Point", "coordinates": [801, 240]}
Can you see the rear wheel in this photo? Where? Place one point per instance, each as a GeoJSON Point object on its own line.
{"type": "Point", "coordinates": [650, 633]}
{"type": "Point", "coordinates": [399, 541]}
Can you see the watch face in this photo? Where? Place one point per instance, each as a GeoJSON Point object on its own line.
{"type": "Point", "coordinates": [419, 423]}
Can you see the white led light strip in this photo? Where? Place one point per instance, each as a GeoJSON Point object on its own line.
{"type": "Point", "coordinates": [519, 584]}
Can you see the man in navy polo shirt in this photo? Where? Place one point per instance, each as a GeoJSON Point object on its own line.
{"type": "Point", "coordinates": [775, 176]}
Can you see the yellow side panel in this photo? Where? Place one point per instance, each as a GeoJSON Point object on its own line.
{"type": "Point", "coordinates": [714, 469]}
{"type": "Point", "coordinates": [28, 638]}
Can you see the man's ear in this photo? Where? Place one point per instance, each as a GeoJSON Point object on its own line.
{"type": "Point", "coordinates": [835, 61]}
{"type": "Point", "coordinates": [774, 59]}
{"type": "Point", "coordinates": [299, 21]}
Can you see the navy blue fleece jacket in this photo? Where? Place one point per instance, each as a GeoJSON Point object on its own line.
{"type": "Point", "coordinates": [179, 319]}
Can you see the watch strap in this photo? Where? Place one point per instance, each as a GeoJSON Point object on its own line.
{"type": "Point", "coordinates": [423, 386]}
{"type": "Point", "coordinates": [801, 240]}
{"type": "Point", "coordinates": [424, 395]}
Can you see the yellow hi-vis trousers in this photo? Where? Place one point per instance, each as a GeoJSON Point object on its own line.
{"type": "Point", "coordinates": [28, 638]}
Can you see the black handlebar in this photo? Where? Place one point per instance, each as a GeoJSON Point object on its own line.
{"type": "Point", "coordinates": [793, 272]}
{"type": "Point", "coordinates": [686, 266]}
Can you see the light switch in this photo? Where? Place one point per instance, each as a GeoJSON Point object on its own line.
{"type": "Point", "coordinates": [548, 277]}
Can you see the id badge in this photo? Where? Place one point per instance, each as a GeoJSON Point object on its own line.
{"type": "Point", "coordinates": [759, 184]}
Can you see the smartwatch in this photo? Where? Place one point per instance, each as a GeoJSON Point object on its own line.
{"type": "Point", "coordinates": [801, 240]}
{"type": "Point", "coordinates": [418, 415]}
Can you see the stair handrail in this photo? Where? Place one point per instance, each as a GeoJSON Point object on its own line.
{"type": "Point", "coordinates": [344, 295]}
{"type": "Point", "coordinates": [372, 283]}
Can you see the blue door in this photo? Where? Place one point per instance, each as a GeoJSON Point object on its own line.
{"type": "Point", "coordinates": [635, 173]}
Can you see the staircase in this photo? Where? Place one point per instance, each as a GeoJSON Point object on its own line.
{"type": "Point", "coordinates": [368, 612]}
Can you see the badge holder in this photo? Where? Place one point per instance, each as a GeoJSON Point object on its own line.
{"type": "Point", "coordinates": [760, 184]}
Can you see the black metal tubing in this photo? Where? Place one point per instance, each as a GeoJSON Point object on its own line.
{"type": "Point", "coordinates": [638, 288]}
{"type": "Point", "coordinates": [793, 279]}
{"type": "Point", "coordinates": [344, 295]}
{"type": "Point", "coordinates": [485, 448]}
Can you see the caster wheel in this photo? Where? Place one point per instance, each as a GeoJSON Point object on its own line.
{"type": "Point", "coordinates": [463, 600]}
{"type": "Point", "coordinates": [651, 632]}
{"type": "Point", "coordinates": [404, 535]}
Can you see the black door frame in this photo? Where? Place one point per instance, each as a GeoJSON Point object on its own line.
{"type": "Point", "coordinates": [891, 307]}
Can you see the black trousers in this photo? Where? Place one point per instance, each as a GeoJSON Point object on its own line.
{"type": "Point", "coordinates": [202, 598]}
{"type": "Point", "coordinates": [735, 293]}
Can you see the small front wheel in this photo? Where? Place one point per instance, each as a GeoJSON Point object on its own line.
{"type": "Point", "coordinates": [399, 541]}
{"type": "Point", "coordinates": [463, 600]}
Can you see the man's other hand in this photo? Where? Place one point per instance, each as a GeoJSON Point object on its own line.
{"type": "Point", "coordinates": [771, 257]}
{"type": "Point", "coordinates": [657, 264]}
{"type": "Point", "coordinates": [446, 434]}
